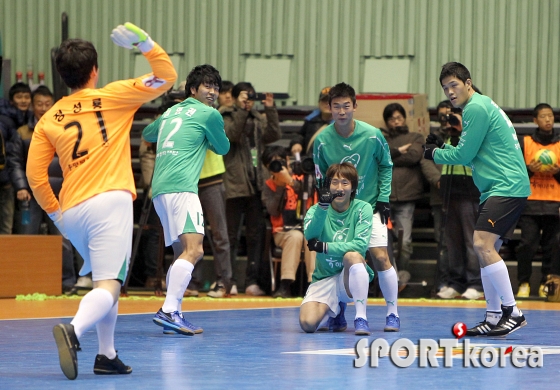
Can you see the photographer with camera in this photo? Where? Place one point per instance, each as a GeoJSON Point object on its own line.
{"type": "Point", "coordinates": [248, 132]}
{"type": "Point", "coordinates": [460, 209]}
{"type": "Point", "coordinates": [282, 194]}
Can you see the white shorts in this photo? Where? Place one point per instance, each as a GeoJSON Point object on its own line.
{"type": "Point", "coordinates": [329, 291]}
{"type": "Point", "coordinates": [179, 213]}
{"type": "Point", "coordinates": [101, 231]}
{"type": "Point", "coordinates": [378, 236]}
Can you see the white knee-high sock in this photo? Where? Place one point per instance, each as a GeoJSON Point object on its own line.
{"type": "Point", "coordinates": [358, 283]}
{"type": "Point", "coordinates": [93, 308]}
{"type": "Point", "coordinates": [389, 285]}
{"type": "Point", "coordinates": [493, 302]}
{"type": "Point", "coordinates": [179, 279]}
{"type": "Point", "coordinates": [499, 276]}
{"type": "Point", "coordinates": [106, 332]}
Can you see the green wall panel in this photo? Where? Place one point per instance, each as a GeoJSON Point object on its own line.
{"type": "Point", "coordinates": [511, 46]}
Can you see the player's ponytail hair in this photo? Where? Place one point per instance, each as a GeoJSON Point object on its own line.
{"type": "Point", "coordinates": [347, 171]}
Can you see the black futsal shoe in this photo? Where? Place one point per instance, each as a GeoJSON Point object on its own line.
{"type": "Point", "coordinates": [105, 366]}
{"type": "Point", "coordinates": [67, 344]}
{"type": "Point", "coordinates": [508, 323]}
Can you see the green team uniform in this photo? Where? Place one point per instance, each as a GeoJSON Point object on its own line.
{"type": "Point", "coordinates": [344, 232]}
{"type": "Point", "coordinates": [489, 146]}
{"type": "Point", "coordinates": [367, 150]}
{"type": "Point", "coordinates": [183, 134]}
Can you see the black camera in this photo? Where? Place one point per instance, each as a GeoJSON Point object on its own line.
{"type": "Point", "coordinates": [450, 118]}
{"type": "Point", "coordinates": [306, 166]}
{"type": "Point", "coordinates": [256, 96]}
{"type": "Point", "coordinates": [275, 166]}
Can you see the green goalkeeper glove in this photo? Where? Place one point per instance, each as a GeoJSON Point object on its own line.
{"type": "Point", "coordinates": [130, 35]}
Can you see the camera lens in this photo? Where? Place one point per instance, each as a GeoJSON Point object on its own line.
{"type": "Point", "coordinates": [275, 166]}
{"type": "Point", "coordinates": [454, 120]}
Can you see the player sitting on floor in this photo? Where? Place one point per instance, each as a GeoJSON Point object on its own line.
{"type": "Point", "coordinates": [338, 229]}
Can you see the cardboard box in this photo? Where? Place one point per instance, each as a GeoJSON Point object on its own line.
{"type": "Point", "coordinates": [370, 109]}
{"type": "Point", "coordinates": [30, 264]}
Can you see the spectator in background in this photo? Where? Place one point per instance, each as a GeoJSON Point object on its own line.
{"type": "Point", "coordinates": [42, 101]}
{"type": "Point", "coordinates": [460, 197]}
{"type": "Point", "coordinates": [407, 185]}
{"type": "Point", "coordinates": [224, 98]}
{"type": "Point", "coordinates": [281, 196]}
{"type": "Point", "coordinates": [541, 211]}
{"type": "Point", "coordinates": [319, 119]}
{"type": "Point", "coordinates": [432, 173]}
{"type": "Point", "coordinates": [248, 132]}
{"type": "Point", "coordinates": [18, 107]}
{"type": "Point", "coordinates": [8, 135]}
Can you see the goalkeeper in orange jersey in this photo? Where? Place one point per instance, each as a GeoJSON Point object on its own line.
{"type": "Point", "coordinates": [89, 131]}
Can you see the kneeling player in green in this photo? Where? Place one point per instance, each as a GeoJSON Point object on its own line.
{"type": "Point", "coordinates": [338, 229]}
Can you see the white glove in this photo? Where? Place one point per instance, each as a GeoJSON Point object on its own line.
{"type": "Point", "coordinates": [130, 35]}
{"type": "Point", "coordinates": [56, 217]}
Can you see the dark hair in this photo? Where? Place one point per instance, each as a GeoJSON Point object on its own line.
{"type": "Point", "coordinates": [227, 86]}
{"type": "Point", "coordinates": [539, 107]}
{"type": "Point", "coordinates": [75, 59]}
{"type": "Point", "coordinates": [477, 90]}
{"type": "Point", "coordinates": [342, 90]}
{"type": "Point", "coordinates": [455, 69]}
{"type": "Point", "coordinates": [390, 109]}
{"type": "Point", "coordinates": [273, 151]}
{"type": "Point", "coordinates": [17, 88]}
{"type": "Point", "coordinates": [42, 90]}
{"type": "Point", "coordinates": [240, 87]}
{"type": "Point", "coordinates": [444, 104]}
{"type": "Point", "coordinates": [202, 74]}
{"type": "Point", "coordinates": [347, 171]}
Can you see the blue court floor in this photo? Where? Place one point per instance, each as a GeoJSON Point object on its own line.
{"type": "Point", "coordinates": [265, 349]}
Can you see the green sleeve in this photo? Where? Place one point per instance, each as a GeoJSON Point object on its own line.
{"type": "Point", "coordinates": [314, 222]}
{"type": "Point", "coordinates": [385, 168]}
{"type": "Point", "coordinates": [476, 123]}
{"type": "Point", "coordinates": [318, 158]}
{"type": "Point", "coordinates": [150, 132]}
{"type": "Point", "coordinates": [362, 233]}
{"type": "Point", "coordinates": [219, 142]}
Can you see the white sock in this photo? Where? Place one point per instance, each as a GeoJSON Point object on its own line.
{"type": "Point", "coordinates": [106, 332]}
{"type": "Point", "coordinates": [358, 283]}
{"type": "Point", "coordinates": [493, 317]}
{"type": "Point", "coordinates": [93, 308]}
{"type": "Point", "coordinates": [179, 279]}
{"type": "Point", "coordinates": [324, 321]}
{"type": "Point", "coordinates": [499, 276]}
{"type": "Point", "coordinates": [493, 302]}
{"type": "Point", "coordinates": [389, 285]}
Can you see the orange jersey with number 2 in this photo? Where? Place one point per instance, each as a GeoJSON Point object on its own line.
{"type": "Point", "coordinates": [90, 132]}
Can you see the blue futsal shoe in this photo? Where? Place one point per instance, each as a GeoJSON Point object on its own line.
{"type": "Point", "coordinates": [173, 321]}
{"type": "Point", "coordinates": [361, 327]}
{"type": "Point", "coordinates": [194, 328]}
{"type": "Point", "coordinates": [392, 323]}
{"type": "Point", "coordinates": [336, 324]}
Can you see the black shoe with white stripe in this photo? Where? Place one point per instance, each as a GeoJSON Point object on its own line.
{"type": "Point", "coordinates": [508, 323]}
{"type": "Point", "coordinates": [481, 329]}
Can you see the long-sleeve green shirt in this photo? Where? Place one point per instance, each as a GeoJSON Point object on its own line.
{"type": "Point", "coordinates": [344, 232]}
{"type": "Point", "coordinates": [183, 134]}
{"type": "Point", "coordinates": [489, 146]}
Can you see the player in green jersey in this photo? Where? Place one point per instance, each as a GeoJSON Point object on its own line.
{"type": "Point", "coordinates": [365, 147]}
{"type": "Point", "coordinates": [338, 228]}
{"type": "Point", "coordinates": [489, 146]}
{"type": "Point", "coordinates": [183, 134]}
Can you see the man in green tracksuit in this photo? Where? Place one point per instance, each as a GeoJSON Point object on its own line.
{"type": "Point", "coordinates": [365, 147]}
{"type": "Point", "coordinates": [489, 146]}
{"type": "Point", "coordinates": [338, 228]}
{"type": "Point", "coordinates": [183, 134]}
